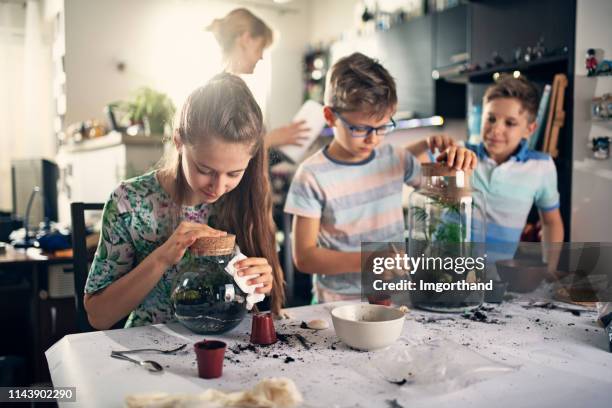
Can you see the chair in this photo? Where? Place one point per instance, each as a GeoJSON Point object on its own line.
{"type": "Point", "coordinates": [80, 259]}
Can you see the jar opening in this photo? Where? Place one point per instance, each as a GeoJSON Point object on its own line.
{"type": "Point", "coordinates": [448, 181]}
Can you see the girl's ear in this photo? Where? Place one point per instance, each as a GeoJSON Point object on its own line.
{"type": "Point", "coordinates": [176, 139]}
{"type": "Point", "coordinates": [330, 117]}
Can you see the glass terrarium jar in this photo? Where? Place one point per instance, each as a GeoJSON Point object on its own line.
{"type": "Point", "coordinates": [446, 229]}
{"type": "Point", "coordinates": [205, 297]}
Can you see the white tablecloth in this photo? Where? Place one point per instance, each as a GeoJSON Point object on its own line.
{"type": "Point", "coordinates": [530, 357]}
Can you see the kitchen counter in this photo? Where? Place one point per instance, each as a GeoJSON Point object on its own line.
{"type": "Point", "coordinates": [510, 355]}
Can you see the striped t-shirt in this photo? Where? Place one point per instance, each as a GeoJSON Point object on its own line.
{"type": "Point", "coordinates": [356, 202]}
{"type": "Point", "coordinates": [510, 189]}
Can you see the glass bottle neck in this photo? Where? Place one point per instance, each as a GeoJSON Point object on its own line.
{"type": "Point", "coordinates": [446, 183]}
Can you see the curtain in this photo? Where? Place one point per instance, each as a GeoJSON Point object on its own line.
{"type": "Point", "coordinates": [38, 140]}
{"type": "Point", "coordinates": [12, 24]}
{"type": "Point", "coordinates": [26, 106]}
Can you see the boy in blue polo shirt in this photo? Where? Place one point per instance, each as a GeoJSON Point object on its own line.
{"type": "Point", "coordinates": [512, 177]}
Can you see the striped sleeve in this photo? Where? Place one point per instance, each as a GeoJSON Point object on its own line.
{"type": "Point", "coordinates": [305, 197]}
{"type": "Point", "coordinates": [547, 196]}
{"type": "Point", "coordinates": [412, 167]}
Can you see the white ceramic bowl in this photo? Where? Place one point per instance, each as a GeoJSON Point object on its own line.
{"type": "Point", "coordinates": [367, 327]}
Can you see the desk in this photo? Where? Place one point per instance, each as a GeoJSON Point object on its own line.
{"type": "Point", "coordinates": [533, 358]}
{"type": "Point", "coordinates": [32, 319]}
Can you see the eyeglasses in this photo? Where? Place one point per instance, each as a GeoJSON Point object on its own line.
{"type": "Point", "coordinates": [364, 131]}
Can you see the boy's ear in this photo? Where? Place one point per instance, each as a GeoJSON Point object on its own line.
{"type": "Point", "coordinates": [531, 127]}
{"type": "Point", "coordinates": [330, 117]}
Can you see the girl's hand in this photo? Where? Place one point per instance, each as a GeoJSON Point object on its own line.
{"type": "Point", "coordinates": [259, 270]}
{"type": "Point", "coordinates": [171, 251]}
{"type": "Point", "coordinates": [458, 157]}
{"type": "Point", "coordinates": [440, 142]}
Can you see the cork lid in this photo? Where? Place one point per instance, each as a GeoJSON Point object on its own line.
{"type": "Point", "coordinates": [214, 246]}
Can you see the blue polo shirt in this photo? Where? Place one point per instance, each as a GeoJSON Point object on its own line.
{"type": "Point", "coordinates": [512, 187]}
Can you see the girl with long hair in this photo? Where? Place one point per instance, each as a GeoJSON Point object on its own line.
{"type": "Point", "coordinates": [217, 176]}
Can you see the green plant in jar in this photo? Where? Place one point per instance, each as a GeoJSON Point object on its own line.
{"type": "Point", "coordinates": [205, 297]}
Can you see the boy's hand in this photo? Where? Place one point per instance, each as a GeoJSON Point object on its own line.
{"type": "Point", "coordinates": [458, 157]}
{"type": "Point", "coordinates": [441, 142]}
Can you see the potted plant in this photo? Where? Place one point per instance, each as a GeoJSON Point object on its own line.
{"type": "Point", "coordinates": [150, 108]}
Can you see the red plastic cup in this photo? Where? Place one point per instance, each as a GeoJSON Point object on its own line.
{"type": "Point", "coordinates": [209, 355]}
{"type": "Point", "coordinates": [262, 330]}
{"type": "Point", "coordinates": [384, 300]}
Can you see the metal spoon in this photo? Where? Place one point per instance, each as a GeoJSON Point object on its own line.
{"type": "Point", "coordinates": [150, 365]}
{"type": "Point", "coordinates": [174, 350]}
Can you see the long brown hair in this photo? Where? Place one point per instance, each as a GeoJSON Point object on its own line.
{"type": "Point", "coordinates": [238, 21]}
{"type": "Point", "coordinates": [225, 109]}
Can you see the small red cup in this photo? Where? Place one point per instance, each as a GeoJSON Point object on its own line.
{"type": "Point", "coordinates": [384, 300]}
{"type": "Point", "coordinates": [262, 330]}
{"type": "Point", "coordinates": [209, 355]}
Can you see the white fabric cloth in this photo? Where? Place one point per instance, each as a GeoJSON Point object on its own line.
{"type": "Point", "coordinates": [241, 281]}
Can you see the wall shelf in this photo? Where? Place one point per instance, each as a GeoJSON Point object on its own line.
{"type": "Point", "coordinates": [536, 66]}
{"type": "Point", "coordinates": [595, 76]}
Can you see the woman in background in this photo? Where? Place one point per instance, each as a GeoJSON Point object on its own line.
{"type": "Point", "coordinates": [243, 37]}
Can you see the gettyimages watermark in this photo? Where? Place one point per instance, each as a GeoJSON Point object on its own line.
{"type": "Point", "coordinates": [457, 275]}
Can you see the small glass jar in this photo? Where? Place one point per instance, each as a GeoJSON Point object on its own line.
{"type": "Point", "coordinates": [205, 297]}
{"type": "Point", "coordinates": [446, 227]}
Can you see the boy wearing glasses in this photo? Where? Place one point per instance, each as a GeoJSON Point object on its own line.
{"type": "Point", "coordinates": [350, 191]}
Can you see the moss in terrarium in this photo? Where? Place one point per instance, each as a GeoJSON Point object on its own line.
{"type": "Point", "coordinates": [187, 295]}
{"type": "Point", "coordinates": [200, 298]}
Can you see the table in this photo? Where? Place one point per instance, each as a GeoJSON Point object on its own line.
{"type": "Point", "coordinates": [32, 316]}
{"type": "Point", "coordinates": [31, 255]}
{"type": "Point", "coordinates": [520, 357]}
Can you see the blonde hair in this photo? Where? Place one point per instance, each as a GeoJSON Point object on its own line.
{"type": "Point", "coordinates": [227, 29]}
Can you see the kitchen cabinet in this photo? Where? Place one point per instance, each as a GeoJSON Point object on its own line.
{"type": "Point", "coordinates": [502, 26]}
{"type": "Point", "coordinates": [451, 36]}
{"type": "Point", "coordinates": [410, 51]}
{"type": "Point", "coordinates": [406, 50]}
{"type": "Point", "coordinates": [91, 170]}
